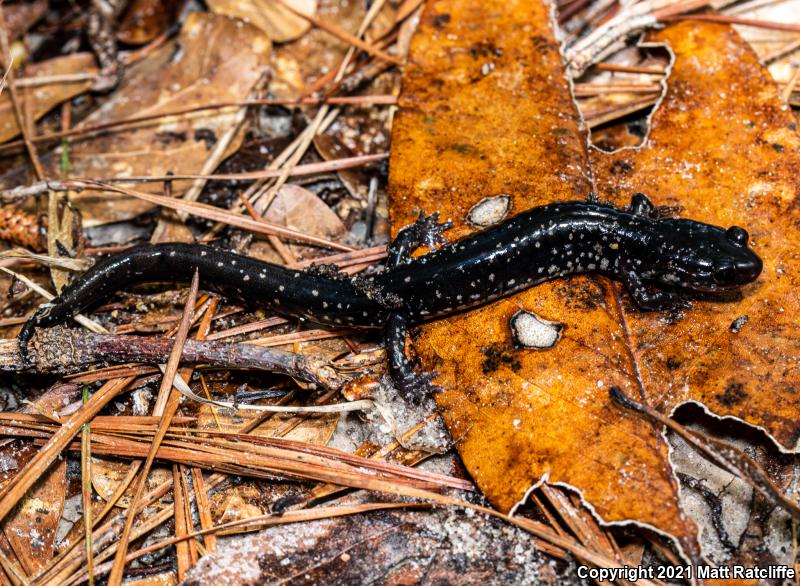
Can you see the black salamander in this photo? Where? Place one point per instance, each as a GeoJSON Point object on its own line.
{"type": "Point", "coordinates": [658, 260]}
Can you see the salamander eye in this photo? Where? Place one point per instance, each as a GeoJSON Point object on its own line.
{"type": "Point", "coordinates": [725, 274]}
{"type": "Point", "coordinates": [737, 235]}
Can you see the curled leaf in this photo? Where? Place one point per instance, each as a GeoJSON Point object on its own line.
{"type": "Point", "coordinates": [270, 16]}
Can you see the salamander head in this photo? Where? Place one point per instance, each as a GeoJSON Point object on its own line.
{"type": "Point", "coordinates": [705, 258]}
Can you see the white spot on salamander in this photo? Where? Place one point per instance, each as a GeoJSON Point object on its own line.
{"type": "Point", "coordinates": [531, 331]}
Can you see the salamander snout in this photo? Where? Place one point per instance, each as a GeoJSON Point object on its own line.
{"type": "Point", "coordinates": [737, 272]}
{"type": "Point", "coordinates": [748, 269]}
{"type": "Point", "coordinates": [736, 265]}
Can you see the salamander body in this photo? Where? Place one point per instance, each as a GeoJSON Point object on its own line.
{"type": "Point", "coordinates": [659, 261]}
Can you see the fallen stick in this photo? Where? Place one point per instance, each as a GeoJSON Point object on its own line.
{"type": "Point", "coordinates": [63, 350]}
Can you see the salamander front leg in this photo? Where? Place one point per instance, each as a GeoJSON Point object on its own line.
{"type": "Point", "coordinates": [413, 385]}
{"type": "Point", "coordinates": [650, 299]}
{"type": "Point", "coordinates": [642, 206]}
{"type": "Point", "coordinates": [425, 230]}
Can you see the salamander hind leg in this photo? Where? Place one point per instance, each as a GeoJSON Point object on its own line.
{"type": "Point", "coordinates": [43, 317]}
{"type": "Point", "coordinates": [24, 338]}
{"type": "Point", "coordinates": [413, 385]}
{"type": "Point", "coordinates": [425, 230]}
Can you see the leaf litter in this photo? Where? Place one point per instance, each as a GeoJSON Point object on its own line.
{"type": "Point", "coordinates": [515, 414]}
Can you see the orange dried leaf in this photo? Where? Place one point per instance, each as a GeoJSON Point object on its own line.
{"type": "Point", "coordinates": [724, 147]}
{"type": "Point", "coordinates": [485, 111]}
{"type": "Point", "coordinates": [108, 474]}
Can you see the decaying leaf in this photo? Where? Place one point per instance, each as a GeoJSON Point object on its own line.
{"type": "Point", "coordinates": [64, 237]}
{"type": "Point", "coordinates": [299, 209]}
{"type": "Point", "coordinates": [31, 528]}
{"type": "Point", "coordinates": [724, 147]}
{"type": "Point", "coordinates": [144, 20]}
{"type": "Point", "coordinates": [108, 474]}
{"type": "Point", "coordinates": [301, 62]}
{"type": "Point", "coordinates": [215, 59]}
{"type": "Point", "coordinates": [40, 100]}
{"type": "Point", "coordinates": [384, 547]}
{"type": "Point", "coordinates": [21, 16]}
{"type": "Point", "coordinates": [484, 112]}
{"type": "Point", "coordinates": [270, 16]}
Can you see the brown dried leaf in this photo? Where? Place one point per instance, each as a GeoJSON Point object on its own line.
{"type": "Point", "coordinates": [385, 547]}
{"type": "Point", "coordinates": [299, 209]}
{"type": "Point", "coordinates": [277, 21]}
{"type": "Point", "coordinates": [235, 508]}
{"type": "Point", "coordinates": [109, 473]}
{"type": "Point", "coordinates": [64, 237]}
{"type": "Point", "coordinates": [215, 59]}
{"type": "Point", "coordinates": [298, 64]}
{"type": "Point", "coordinates": [144, 20]}
{"type": "Point", "coordinates": [40, 100]}
{"type": "Point", "coordinates": [31, 527]}
{"type": "Point", "coordinates": [21, 16]}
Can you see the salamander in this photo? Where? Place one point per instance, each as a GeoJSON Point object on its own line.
{"type": "Point", "coordinates": [659, 260]}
